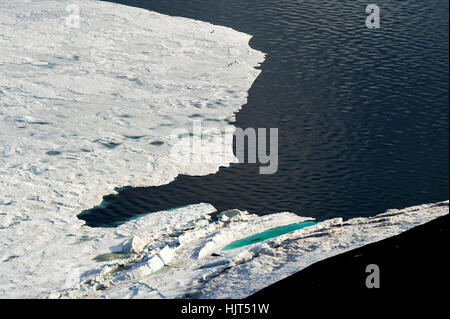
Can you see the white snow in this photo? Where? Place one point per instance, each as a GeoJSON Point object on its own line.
{"type": "Point", "coordinates": [172, 267]}
{"type": "Point", "coordinates": [81, 110]}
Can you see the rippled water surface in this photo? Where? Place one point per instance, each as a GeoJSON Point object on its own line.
{"type": "Point", "coordinates": [362, 114]}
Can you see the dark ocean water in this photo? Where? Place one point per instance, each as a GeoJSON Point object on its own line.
{"type": "Point", "coordinates": [362, 114]}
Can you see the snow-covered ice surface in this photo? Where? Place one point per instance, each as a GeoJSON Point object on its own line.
{"type": "Point", "coordinates": [84, 110]}
{"type": "Point", "coordinates": [178, 253]}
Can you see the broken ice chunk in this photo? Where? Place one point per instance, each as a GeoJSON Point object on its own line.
{"type": "Point", "coordinates": [135, 244]}
{"type": "Point", "coordinates": [231, 215]}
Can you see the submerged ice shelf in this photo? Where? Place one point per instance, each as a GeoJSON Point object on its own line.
{"type": "Point", "coordinates": [267, 234]}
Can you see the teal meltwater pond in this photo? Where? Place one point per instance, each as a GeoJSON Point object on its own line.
{"type": "Point", "coordinates": [270, 233]}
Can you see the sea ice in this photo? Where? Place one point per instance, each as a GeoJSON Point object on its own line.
{"type": "Point", "coordinates": [90, 106]}
{"type": "Point", "coordinates": [199, 268]}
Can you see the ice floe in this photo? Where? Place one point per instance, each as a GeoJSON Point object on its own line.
{"type": "Point", "coordinates": [187, 260]}
{"type": "Point", "coordinates": [90, 92]}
